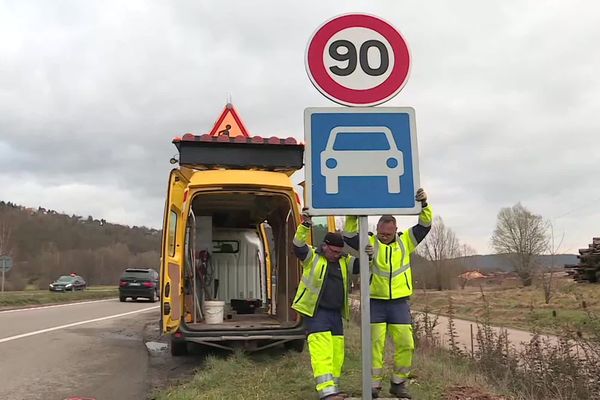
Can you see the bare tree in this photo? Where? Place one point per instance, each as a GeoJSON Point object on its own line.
{"type": "Point", "coordinates": [521, 236]}
{"type": "Point", "coordinates": [440, 247]}
{"type": "Point", "coordinates": [467, 251]}
{"type": "Point", "coordinates": [7, 229]}
{"type": "Point", "coordinates": [5, 237]}
{"type": "Point", "coordinates": [547, 273]}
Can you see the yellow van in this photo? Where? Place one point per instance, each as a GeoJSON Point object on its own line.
{"type": "Point", "coordinates": [228, 271]}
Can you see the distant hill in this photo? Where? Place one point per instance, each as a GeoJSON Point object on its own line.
{"type": "Point", "coordinates": [45, 244]}
{"type": "Point", "coordinates": [494, 262]}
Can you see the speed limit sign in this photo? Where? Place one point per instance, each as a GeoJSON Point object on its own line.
{"type": "Point", "coordinates": [357, 60]}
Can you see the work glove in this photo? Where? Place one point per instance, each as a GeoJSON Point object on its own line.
{"type": "Point", "coordinates": [370, 251]}
{"type": "Point", "coordinates": [306, 218]}
{"type": "Point", "coordinates": [421, 196]}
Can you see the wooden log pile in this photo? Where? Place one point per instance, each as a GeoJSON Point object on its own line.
{"type": "Point", "coordinates": [588, 269]}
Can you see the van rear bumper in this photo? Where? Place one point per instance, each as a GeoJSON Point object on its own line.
{"type": "Point", "coordinates": [137, 292]}
{"type": "Point", "coordinates": [252, 340]}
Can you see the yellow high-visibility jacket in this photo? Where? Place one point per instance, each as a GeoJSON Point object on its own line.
{"type": "Point", "coordinates": [391, 275]}
{"type": "Point", "coordinates": [314, 273]}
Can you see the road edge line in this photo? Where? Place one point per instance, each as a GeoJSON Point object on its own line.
{"type": "Point", "coordinates": [55, 328]}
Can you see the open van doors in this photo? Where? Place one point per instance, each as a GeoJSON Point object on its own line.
{"type": "Point", "coordinates": [266, 236]}
{"type": "Point", "coordinates": [172, 257]}
{"type": "Point", "coordinates": [321, 225]}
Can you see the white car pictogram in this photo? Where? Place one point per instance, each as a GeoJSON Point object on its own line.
{"type": "Point", "coordinates": [388, 161]}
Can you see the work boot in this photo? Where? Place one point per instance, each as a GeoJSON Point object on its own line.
{"type": "Point", "coordinates": [375, 392]}
{"type": "Point", "coordinates": [399, 390]}
{"type": "Point", "coordinates": [337, 396]}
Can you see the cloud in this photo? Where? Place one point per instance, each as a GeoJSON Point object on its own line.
{"type": "Point", "coordinates": [91, 94]}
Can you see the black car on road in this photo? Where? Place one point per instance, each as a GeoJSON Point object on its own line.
{"type": "Point", "coordinates": [139, 282]}
{"type": "Point", "coordinates": [68, 283]}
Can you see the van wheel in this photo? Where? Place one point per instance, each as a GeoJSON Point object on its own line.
{"type": "Point", "coordinates": [178, 348]}
{"type": "Point", "coordinates": [122, 299]}
{"type": "Point", "coordinates": [154, 297]}
{"type": "Point", "coordinates": [296, 345]}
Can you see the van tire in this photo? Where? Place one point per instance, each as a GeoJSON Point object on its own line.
{"type": "Point", "coordinates": [296, 345]}
{"type": "Point", "coordinates": [178, 348]}
{"type": "Point", "coordinates": [122, 299]}
{"type": "Point", "coordinates": [154, 297]}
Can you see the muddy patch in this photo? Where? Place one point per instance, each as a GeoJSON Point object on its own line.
{"type": "Point", "coordinates": [165, 370]}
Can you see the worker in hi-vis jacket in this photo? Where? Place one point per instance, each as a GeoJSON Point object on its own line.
{"type": "Point", "coordinates": [390, 287]}
{"type": "Point", "coordinates": [322, 299]}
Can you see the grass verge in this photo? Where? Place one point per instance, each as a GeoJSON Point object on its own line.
{"type": "Point", "coordinates": [521, 308]}
{"type": "Point", "coordinates": [281, 375]}
{"type": "Point", "coordinates": [40, 297]}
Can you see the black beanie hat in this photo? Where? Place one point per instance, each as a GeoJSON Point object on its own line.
{"type": "Point", "coordinates": [334, 239]}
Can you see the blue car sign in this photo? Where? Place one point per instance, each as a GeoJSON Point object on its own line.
{"type": "Point", "coordinates": [361, 161]}
{"type": "Point", "coordinates": [387, 161]}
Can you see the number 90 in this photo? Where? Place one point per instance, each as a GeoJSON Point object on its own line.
{"type": "Point", "coordinates": [351, 56]}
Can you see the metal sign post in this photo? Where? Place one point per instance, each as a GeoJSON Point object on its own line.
{"type": "Point", "coordinates": [365, 310]}
{"type": "Point", "coordinates": [6, 264]}
{"type": "Point", "coordinates": [360, 160]}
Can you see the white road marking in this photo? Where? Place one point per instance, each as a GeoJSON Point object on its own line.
{"type": "Point", "coordinates": [23, 335]}
{"type": "Point", "coordinates": [58, 305]}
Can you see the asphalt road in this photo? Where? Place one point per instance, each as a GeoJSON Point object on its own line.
{"type": "Point", "coordinates": [93, 349]}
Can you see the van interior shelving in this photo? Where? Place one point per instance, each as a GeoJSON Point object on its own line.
{"type": "Point", "coordinates": [238, 249]}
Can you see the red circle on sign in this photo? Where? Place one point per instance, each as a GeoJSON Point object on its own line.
{"type": "Point", "coordinates": [317, 71]}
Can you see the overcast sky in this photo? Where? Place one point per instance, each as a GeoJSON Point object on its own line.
{"type": "Point", "coordinates": [506, 93]}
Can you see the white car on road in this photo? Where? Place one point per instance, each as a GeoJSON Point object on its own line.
{"type": "Point", "coordinates": [372, 151]}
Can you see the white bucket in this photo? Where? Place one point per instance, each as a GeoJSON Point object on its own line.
{"type": "Point", "coordinates": [213, 311]}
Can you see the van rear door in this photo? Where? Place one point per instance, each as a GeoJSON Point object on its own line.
{"type": "Point", "coordinates": [321, 225]}
{"type": "Point", "coordinates": [266, 236]}
{"type": "Point", "coordinates": [172, 253]}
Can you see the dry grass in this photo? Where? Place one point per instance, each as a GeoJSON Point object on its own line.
{"type": "Point", "coordinates": [281, 375]}
{"type": "Point", "coordinates": [517, 307]}
{"type": "Point", "coordinates": [562, 369]}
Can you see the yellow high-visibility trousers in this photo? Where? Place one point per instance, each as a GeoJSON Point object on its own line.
{"type": "Point", "coordinates": [327, 359]}
{"type": "Point", "coordinates": [391, 318]}
{"type": "Point", "coordinates": [404, 345]}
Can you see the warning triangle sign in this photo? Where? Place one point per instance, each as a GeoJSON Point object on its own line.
{"type": "Point", "coordinates": [229, 123]}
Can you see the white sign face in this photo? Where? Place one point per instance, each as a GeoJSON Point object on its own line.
{"type": "Point", "coordinates": [358, 60]}
{"type": "Point", "coordinates": [6, 263]}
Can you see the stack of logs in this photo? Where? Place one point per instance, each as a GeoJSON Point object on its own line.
{"type": "Point", "coordinates": [588, 268]}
